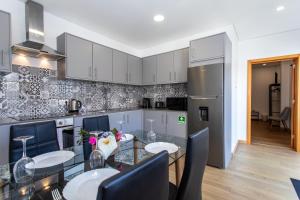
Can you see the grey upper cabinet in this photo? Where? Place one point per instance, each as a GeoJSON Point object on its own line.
{"type": "Point", "coordinates": [165, 67]}
{"type": "Point", "coordinates": [207, 48]}
{"type": "Point", "coordinates": [79, 61]}
{"type": "Point", "coordinates": [119, 67]}
{"type": "Point", "coordinates": [134, 70]}
{"type": "Point", "coordinates": [102, 63]}
{"type": "Point", "coordinates": [181, 63]}
{"type": "Point", "coordinates": [149, 70]}
{"type": "Point", "coordinates": [5, 42]}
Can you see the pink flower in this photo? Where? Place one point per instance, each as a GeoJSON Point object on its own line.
{"type": "Point", "coordinates": [118, 136]}
{"type": "Point", "coordinates": [92, 140]}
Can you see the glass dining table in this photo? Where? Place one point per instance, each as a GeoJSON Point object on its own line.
{"type": "Point", "coordinates": [128, 154]}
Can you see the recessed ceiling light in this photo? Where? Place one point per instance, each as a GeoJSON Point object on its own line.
{"type": "Point", "coordinates": [264, 64]}
{"type": "Point", "coordinates": [158, 18]}
{"type": "Point", "coordinates": [280, 8]}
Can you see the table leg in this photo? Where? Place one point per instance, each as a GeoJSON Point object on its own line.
{"type": "Point", "coordinates": [177, 172]}
{"type": "Point", "coordinates": [135, 151]}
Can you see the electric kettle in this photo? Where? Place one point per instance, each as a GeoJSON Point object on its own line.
{"type": "Point", "coordinates": [73, 105]}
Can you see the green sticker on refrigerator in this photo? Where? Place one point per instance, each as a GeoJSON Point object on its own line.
{"type": "Point", "coordinates": [181, 119]}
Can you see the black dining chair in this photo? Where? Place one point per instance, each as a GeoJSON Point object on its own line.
{"type": "Point", "coordinates": [195, 162]}
{"type": "Point", "coordinates": [44, 141]}
{"type": "Point", "coordinates": [148, 180]}
{"type": "Point", "coordinates": [100, 123]}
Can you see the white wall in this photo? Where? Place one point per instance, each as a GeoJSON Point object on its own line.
{"type": "Point", "coordinates": [273, 45]}
{"type": "Point", "coordinates": [55, 26]}
{"type": "Point", "coordinates": [262, 77]}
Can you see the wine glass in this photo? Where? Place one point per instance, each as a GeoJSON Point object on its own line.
{"type": "Point", "coordinates": [151, 135]}
{"type": "Point", "coordinates": [121, 130]}
{"type": "Point", "coordinates": [96, 156]}
{"type": "Point", "coordinates": [24, 168]}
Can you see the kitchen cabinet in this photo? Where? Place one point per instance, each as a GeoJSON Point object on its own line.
{"type": "Point", "coordinates": [165, 68]}
{"type": "Point", "coordinates": [79, 61]}
{"type": "Point", "coordinates": [175, 126]}
{"type": "Point", "coordinates": [102, 63]}
{"type": "Point", "coordinates": [149, 70]}
{"type": "Point", "coordinates": [115, 120]}
{"type": "Point", "coordinates": [207, 48]}
{"type": "Point", "coordinates": [159, 121]}
{"type": "Point", "coordinates": [181, 63]}
{"type": "Point", "coordinates": [5, 42]}
{"type": "Point", "coordinates": [134, 70]}
{"type": "Point", "coordinates": [134, 120]}
{"type": "Point", "coordinates": [4, 144]}
{"type": "Point", "coordinates": [119, 67]}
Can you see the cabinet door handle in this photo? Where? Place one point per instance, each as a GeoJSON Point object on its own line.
{"type": "Point", "coordinates": [162, 118]}
{"type": "Point", "coordinates": [166, 119]}
{"type": "Point", "coordinates": [170, 76]}
{"type": "Point", "coordinates": [153, 77]}
{"type": "Point", "coordinates": [130, 76]}
{"type": "Point", "coordinates": [2, 57]}
{"type": "Point", "coordinates": [127, 119]}
{"type": "Point", "coordinates": [96, 73]}
{"type": "Point", "coordinates": [175, 76]}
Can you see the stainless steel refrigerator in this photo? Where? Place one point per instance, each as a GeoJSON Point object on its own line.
{"type": "Point", "coordinates": [206, 109]}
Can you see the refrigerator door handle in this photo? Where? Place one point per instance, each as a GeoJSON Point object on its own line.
{"type": "Point", "coordinates": [203, 97]}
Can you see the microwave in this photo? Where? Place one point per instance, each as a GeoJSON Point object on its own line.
{"type": "Point", "coordinates": [176, 103]}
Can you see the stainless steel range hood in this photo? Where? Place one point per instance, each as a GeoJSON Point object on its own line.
{"type": "Point", "coordinates": [34, 45]}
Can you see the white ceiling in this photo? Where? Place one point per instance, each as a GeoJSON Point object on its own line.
{"type": "Point", "coordinates": [130, 21]}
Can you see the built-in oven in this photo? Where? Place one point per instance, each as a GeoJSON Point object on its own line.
{"type": "Point", "coordinates": [65, 132]}
{"type": "Point", "coordinates": [176, 103]}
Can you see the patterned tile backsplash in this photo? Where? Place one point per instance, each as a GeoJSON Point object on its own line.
{"type": "Point", "coordinates": [35, 92]}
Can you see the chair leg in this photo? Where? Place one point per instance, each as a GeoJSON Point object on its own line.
{"type": "Point", "coordinates": [284, 124]}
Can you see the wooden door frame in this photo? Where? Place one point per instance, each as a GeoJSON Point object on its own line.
{"type": "Point", "coordinates": [295, 119]}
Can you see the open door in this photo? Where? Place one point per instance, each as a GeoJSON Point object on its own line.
{"type": "Point", "coordinates": [293, 99]}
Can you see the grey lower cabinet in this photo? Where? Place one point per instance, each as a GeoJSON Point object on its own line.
{"type": "Point", "coordinates": [79, 61]}
{"type": "Point", "coordinates": [134, 120]}
{"type": "Point", "coordinates": [119, 67]}
{"type": "Point", "coordinates": [5, 42]}
{"type": "Point", "coordinates": [166, 122]}
{"type": "Point", "coordinates": [149, 70]}
{"type": "Point", "coordinates": [165, 68]}
{"type": "Point", "coordinates": [115, 120]}
{"type": "Point", "coordinates": [181, 63]}
{"type": "Point", "coordinates": [207, 48]}
{"type": "Point", "coordinates": [131, 120]}
{"type": "Point", "coordinates": [159, 121]}
{"type": "Point", "coordinates": [102, 63]}
{"type": "Point", "coordinates": [175, 126]}
{"type": "Point", "coordinates": [134, 70]}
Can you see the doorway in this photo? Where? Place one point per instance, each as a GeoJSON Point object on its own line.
{"type": "Point", "coordinates": [271, 97]}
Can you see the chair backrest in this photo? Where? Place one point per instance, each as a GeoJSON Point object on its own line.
{"type": "Point", "coordinates": [148, 180]}
{"type": "Point", "coordinates": [100, 123]}
{"type": "Point", "coordinates": [195, 163]}
{"type": "Point", "coordinates": [285, 113]}
{"type": "Point", "coordinates": [44, 141]}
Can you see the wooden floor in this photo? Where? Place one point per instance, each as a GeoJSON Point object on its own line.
{"type": "Point", "coordinates": [262, 133]}
{"type": "Point", "coordinates": [258, 172]}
